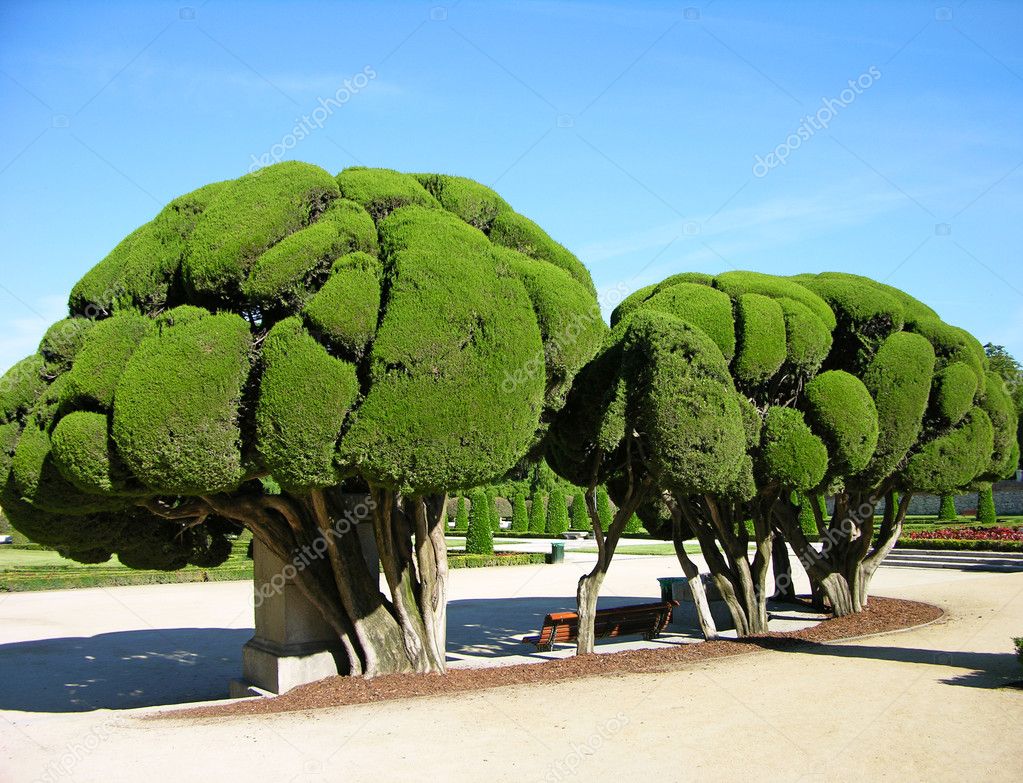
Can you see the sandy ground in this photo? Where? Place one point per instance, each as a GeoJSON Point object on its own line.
{"type": "Point", "coordinates": [924, 704]}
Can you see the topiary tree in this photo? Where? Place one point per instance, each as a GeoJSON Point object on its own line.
{"type": "Point", "coordinates": [461, 516]}
{"type": "Point", "coordinates": [604, 511]}
{"type": "Point", "coordinates": [479, 540]}
{"type": "Point", "coordinates": [538, 514]}
{"type": "Point", "coordinates": [520, 516]}
{"type": "Point", "coordinates": [580, 517]}
{"type": "Point", "coordinates": [943, 424]}
{"type": "Point", "coordinates": [634, 525]}
{"type": "Point", "coordinates": [557, 513]}
{"type": "Point", "coordinates": [375, 332]}
{"type": "Point", "coordinates": [986, 505]}
{"type": "Point", "coordinates": [495, 516]}
{"type": "Point", "coordinates": [947, 508]}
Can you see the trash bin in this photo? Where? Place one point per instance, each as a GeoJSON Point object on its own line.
{"type": "Point", "coordinates": [557, 554]}
{"type": "Point", "coordinates": [668, 590]}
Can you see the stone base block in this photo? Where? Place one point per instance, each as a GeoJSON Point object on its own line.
{"type": "Point", "coordinates": [277, 670]}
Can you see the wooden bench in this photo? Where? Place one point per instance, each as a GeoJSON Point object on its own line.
{"type": "Point", "coordinates": [649, 620]}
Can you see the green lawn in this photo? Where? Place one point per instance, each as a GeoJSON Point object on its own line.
{"type": "Point", "coordinates": [41, 569]}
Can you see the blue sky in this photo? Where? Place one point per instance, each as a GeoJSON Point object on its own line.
{"type": "Point", "coordinates": [630, 131]}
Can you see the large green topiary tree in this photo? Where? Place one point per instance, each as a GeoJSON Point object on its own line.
{"type": "Point", "coordinates": [267, 344]}
{"type": "Point", "coordinates": [730, 393]}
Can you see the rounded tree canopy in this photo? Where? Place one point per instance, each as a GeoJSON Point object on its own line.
{"type": "Point", "coordinates": [411, 332]}
{"type": "Point", "coordinates": [885, 386]}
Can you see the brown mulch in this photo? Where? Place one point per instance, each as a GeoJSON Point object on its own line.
{"type": "Point", "coordinates": [883, 614]}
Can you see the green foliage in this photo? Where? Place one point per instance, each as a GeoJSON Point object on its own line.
{"type": "Point", "coordinates": [630, 303]}
{"type": "Point", "coordinates": [85, 456]}
{"type": "Point", "coordinates": [986, 505]}
{"type": "Point", "coordinates": [474, 203]}
{"type": "Point", "coordinates": [20, 387]}
{"type": "Point", "coordinates": [35, 480]}
{"type": "Point", "coordinates": [184, 437]}
{"type": "Point", "coordinates": [381, 191]}
{"type": "Point", "coordinates": [98, 366]}
{"type": "Point", "coordinates": [604, 512]}
{"type": "Point", "coordinates": [344, 311]}
{"type": "Point", "coordinates": [557, 513]}
{"type": "Point", "coordinates": [580, 518]}
{"type": "Point", "coordinates": [807, 337]}
{"type": "Point", "coordinates": [866, 315]}
{"type": "Point", "coordinates": [282, 277]}
{"type": "Point", "coordinates": [538, 514]}
{"type": "Point", "coordinates": [953, 460]}
{"type": "Point", "coordinates": [62, 341]}
{"type": "Point", "coordinates": [304, 398]}
{"type": "Point", "coordinates": [142, 272]}
{"type": "Point", "coordinates": [461, 516]}
{"type": "Point", "coordinates": [702, 307]}
{"type": "Point", "coordinates": [1000, 409]}
{"type": "Point", "coordinates": [840, 409]}
{"type": "Point", "coordinates": [951, 344]}
{"type": "Point", "coordinates": [954, 388]}
{"type": "Point", "coordinates": [762, 339]}
{"type": "Point", "coordinates": [807, 520]}
{"type": "Point", "coordinates": [570, 322]}
{"type": "Point", "coordinates": [479, 539]}
{"type": "Point", "coordinates": [247, 217]}
{"type": "Point", "coordinates": [947, 510]}
{"type": "Point", "coordinates": [439, 361]}
{"type": "Point", "coordinates": [899, 380]}
{"type": "Point", "coordinates": [737, 283]}
{"type": "Point", "coordinates": [634, 525]}
{"type": "Point", "coordinates": [495, 516]}
{"type": "Point", "coordinates": [518, 232]}
{"type": "Point", "coordinates": [520, 516]}
{"type": "Point", "coordinates": [790, 454]}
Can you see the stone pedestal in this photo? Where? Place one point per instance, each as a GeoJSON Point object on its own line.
{"type": "Point", "coordinates": [293, 643]}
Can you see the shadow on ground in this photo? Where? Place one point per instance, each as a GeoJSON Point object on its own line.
{"type": "Point", "coordinates": [120, 670]}
{"type": "Point", "coordinates": [492, 627]}
{"type": "Point", "coordinates": [988, 670]}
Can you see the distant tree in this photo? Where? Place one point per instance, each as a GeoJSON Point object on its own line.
{"type": "Point", "coordinates": [634, 525]}
{"type": "Point", "coordinates": [461, 516]}
{"type": "Point", "coordinates": [580, 517]}
{"type": "Point", "coordinates": [495, 516]}
{"type": "Point", "coordinates": [480, 538]}
{"type": "Point", "coordinates": [520, 516]}
{"type": "Point", "coordinates": [604, 512]}
{"type": "Point", "coordinates": [538, 514]}
{"type": "Point", "coordinates": [986, 505]}
{"type": "Point", "coordinates": [947, 508]}
{"type": "Point", "coordinates": [557, 513]}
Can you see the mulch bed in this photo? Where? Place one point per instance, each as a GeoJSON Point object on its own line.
{"type": "Point", "coordinates": [883, 614]}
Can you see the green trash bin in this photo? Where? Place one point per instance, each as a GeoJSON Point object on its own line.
{"type": "Point", "coordinates": [557, 554]}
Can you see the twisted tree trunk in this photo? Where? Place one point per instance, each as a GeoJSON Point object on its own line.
{"type": "Point", "coordinates": [848, 557]}
{"type": "Point", "coordinates": [316, 538]}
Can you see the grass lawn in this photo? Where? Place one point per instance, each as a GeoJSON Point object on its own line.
{"type": "Point", "coordinates": [42, 569]}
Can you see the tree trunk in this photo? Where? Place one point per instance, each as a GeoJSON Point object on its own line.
{"type": "Point", "coordinates": [784, 586]}
{"type": "Point", "coordinates": [312, 534]}
{"type": "Point", "coordinates": [700, 603]}
{"type": "Point", "coordinates": [588, 590]}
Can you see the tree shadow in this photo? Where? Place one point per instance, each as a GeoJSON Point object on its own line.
{"type": "Point", "coordinates": [494, 627]}
{"type": "Point", "coordinates": [120, 670]}
{"type": "Point", "coordinates": [990, 670]}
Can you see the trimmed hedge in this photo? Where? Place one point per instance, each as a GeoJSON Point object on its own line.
{"type": "Point", "coordinates": [479, 539]}
{"type": "Point", "coordinates": [790, 454]}
{"type": "Point", "coordinates": [841, 411]}
{"type": "Point", "coordinates": [557, 513]}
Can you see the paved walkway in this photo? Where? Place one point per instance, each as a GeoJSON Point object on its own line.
{"type": "Point", "coordinates": [924, 704]}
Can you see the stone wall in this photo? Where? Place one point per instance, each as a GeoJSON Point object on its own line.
{"type": "Point", "coordinates": [1008, 502]}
